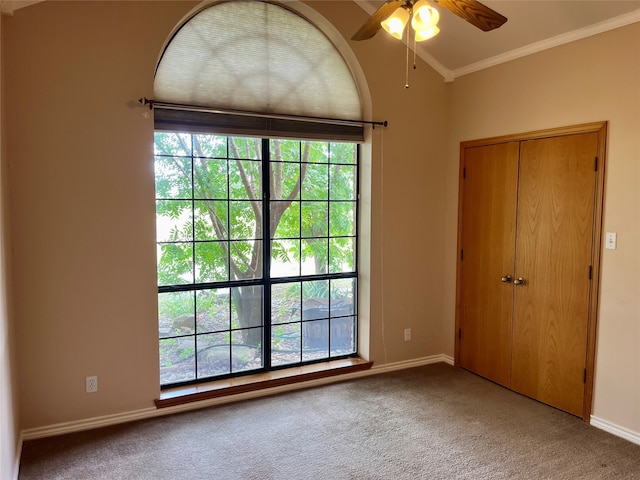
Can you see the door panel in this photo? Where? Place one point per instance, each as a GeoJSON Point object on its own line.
{"type": "Point", "coordinates": [553, 254]}
{"type": "Point", "coordinates": [488, 240]}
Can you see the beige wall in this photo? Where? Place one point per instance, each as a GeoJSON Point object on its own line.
{"type": "Point", "coordinates": [593, 79]}
{"type": "Point", "coordinates": [407, 201]}
{"type": "Point", "coordinates": [82, 208]}
{"type": "Point", "coordinates": [9, 427]}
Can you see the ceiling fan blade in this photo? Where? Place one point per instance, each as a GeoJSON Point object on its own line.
{"type": "Point", "coordinates": [372, 25]}
{"type": "Point", "coordinates": [475, 13]}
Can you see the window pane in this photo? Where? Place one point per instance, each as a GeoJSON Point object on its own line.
{"type": "Point", "coordinates": [315, 300]}
{"type": "Point", "coordinates": [174, 221]}
{"type": "Point", "coordinates": [210, 213]}
{"type": "Point", "coordinates": [342, 219]}
{"type": "Point", "coordinates": [210, 178]}
{"type": "Point", "coordinates": [213, 310]}
{"type": "Point", "coordinates": [343, 296]}
{"type": "Point", "coordinates": [285, 344]}
{"type": "Point", "coordinates": [210, 146]}
{"type": "Point", "coordinates": [316, 182]}
{"type": "Point", "coordinates": [318, 152]}
{"type": "Point", "coordinates": [289, 224]}
{"type": "Point", "coordinates": [245, 148]}
{"type": "Point", "coordinates": [246, 304]}
{"type": "Point", "coordinates": [245, 180]}
{"type": "Point", "coordinates": [243, 356]}
{"type": "Point", "coordinates": [175, 314]}
{"type": "Point", "coordinates": [244, 263]}
{"type": "Point", "coordinates": [173, 177]}
{"type": "Point", "coordinates": [343, 321]}
{"type": "Point", "coordinates": [343, 153]}
{"type": "Point", "coordinates": [343, 182]}
{"type": "Point", "coordinates": [285, 178]}
{"type": "Point", "coordinates": [315, 255]}
{"type": "Point", "coordinates": [343, 336]}
{"type": "Point", "coordinates": [172, 144]}
{"type": "Point", "coordinates": [315, 340]}
{"type": "Point", "coordinates": [342, 255]}
{"type": "Point", "coordinates": [211, 262]}
{"type": "Point", "coordinates": [242, 220]}
{"type": "Point", "coordinates": [285, 258]}
{"type": "Point", "coordinates": [285, 303]}
{"type": "Point", "coordinates": [177, 360]}
{"type": "Point", "coordinates": [175, 263]}
{"type": "Point", "coordinates": [214, 354]}
{"type": "Point", "coordinates": [284, 150]}
{"type": "Point", "coordinates": [315, 219]}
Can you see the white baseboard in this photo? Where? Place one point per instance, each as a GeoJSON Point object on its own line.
{"type": "Point", "coordinates": [117, 418]}
{"type": "Point", "coordinates": [418, 362]}
{"type": "Point", "coordinates": [16, 464]}
{"type": "Point", "coordinates": [616, 430]}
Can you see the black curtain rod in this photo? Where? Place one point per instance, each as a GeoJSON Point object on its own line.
{"type": "Point", "coordinates": [192, 108]}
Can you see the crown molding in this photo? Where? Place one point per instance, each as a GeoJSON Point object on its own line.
{"type": "Point", "coordinates": [588, 31]}
{"type": "Point", "coordinates": [572, 36]}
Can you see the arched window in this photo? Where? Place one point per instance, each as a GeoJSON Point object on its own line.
{"type": "Point", "coordinates": [256, 194]}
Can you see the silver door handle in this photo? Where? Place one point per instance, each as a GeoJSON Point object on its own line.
{"type": "Point", "coordinates": [506, 279]}
{"type": "Point", "coordinates": [519, 281]}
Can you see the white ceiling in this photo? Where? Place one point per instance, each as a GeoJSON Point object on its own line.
{"type": "Point", "coordinates": [532, 26]}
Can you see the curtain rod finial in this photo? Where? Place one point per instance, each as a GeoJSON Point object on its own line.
{"type": "Point", "coordinates": [145, 101]}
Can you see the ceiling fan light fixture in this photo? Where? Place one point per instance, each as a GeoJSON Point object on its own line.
{"type": "Point", "coordinates": [396, 22]}
{"type": "Point", "coordinates": [424, 17]}
{"type": "Point", "coordinates": [422, 35]}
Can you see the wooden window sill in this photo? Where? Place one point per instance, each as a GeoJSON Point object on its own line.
{"type": "Point", "coordinates": [259, 381]}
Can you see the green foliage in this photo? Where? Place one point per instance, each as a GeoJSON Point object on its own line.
{"type": "Point", "coordinates": [317, 289]}
{"type": "Point", "coordinates": [175, 304]}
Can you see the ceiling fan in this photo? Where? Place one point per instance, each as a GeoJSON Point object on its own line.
{"type": "Point", "coordinates": [472, 11]}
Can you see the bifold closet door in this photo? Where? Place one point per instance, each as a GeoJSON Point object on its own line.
{"type": "Point", "coordinates": [554, 245]}
{"type": "Point", "coordinates": [488, 233]}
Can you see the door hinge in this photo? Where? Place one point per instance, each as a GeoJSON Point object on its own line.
{"type": "Point", "coordinates": [590, 272]}
{"type": "Point", "coordinates": [584, 378]}
{"type": "Point", "coordinates": [464, 173]}
{"type": "Point", "coordinates": [596, 165]}
{"type": "Point", "coordinates": [461, 254]}
{"type": "Point", "coordinates": [459, 333]}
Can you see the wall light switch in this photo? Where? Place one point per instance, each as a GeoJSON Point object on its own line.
{"type": "Point", "coordinates": [611, 241]}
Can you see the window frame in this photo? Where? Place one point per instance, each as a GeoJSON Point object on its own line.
{"type": "Point", "coordinates": [266, 280]}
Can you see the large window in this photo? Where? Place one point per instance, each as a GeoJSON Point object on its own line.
{"type": "Point", "coordinates": [256, 253]}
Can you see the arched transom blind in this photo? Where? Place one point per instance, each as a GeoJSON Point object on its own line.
{"type": "Point", "coordinates": [256, 56]}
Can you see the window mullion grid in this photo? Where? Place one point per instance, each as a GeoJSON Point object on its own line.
{"type": "Point", "coordinates": [300, 199]}
{"type": "Point", "coordinates": [266, 253]}
{"type": "Point", "coordinates": [328, 244]}
{"type": "Point", "coordinates": [228, 241]}
{"type": "Point", "coordinates": [356, 250]}
{"type": "Point", "coordinates": [266, 281]}
{"type": "Point", "coordinates": [193, 257]}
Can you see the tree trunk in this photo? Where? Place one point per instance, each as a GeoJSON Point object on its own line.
{"type": "Point", "coordinates": [247, 303]}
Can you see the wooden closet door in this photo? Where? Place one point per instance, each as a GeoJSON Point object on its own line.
{"type": "Point", "coordinates": [488, 240]}
{"type": "Point", "coordinates": [555, 228]}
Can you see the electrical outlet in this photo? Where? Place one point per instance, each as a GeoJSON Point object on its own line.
{"type": "Point", "coordinates": [407, 334]}
{"type": "Point", "coordinates": [92, 384]}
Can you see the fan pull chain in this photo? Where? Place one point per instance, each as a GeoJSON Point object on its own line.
{"type": "Point", "coordinates": [406, 78]}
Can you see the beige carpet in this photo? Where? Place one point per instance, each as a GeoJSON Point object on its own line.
{"type": "Point", "coordinates": [432, 422]}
